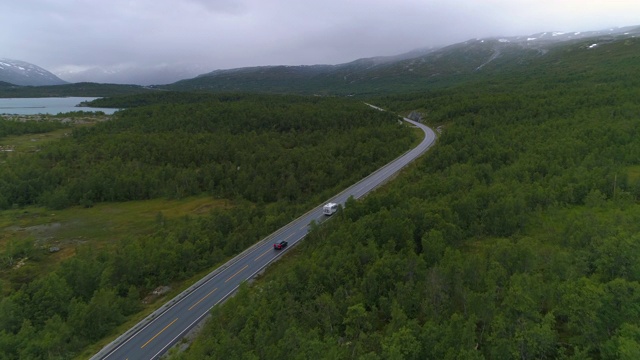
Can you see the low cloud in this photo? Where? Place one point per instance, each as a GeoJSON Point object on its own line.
{"type": "Point", "coordinates": [120, 35]}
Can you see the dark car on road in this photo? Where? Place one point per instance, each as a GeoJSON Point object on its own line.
{"type": "Point", "coordinates": [281, 245]}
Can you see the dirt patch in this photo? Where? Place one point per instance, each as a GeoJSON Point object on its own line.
{"type": "Point", "coordinates": [203, 209]}
{"type": "Point", "coordinates": [20, 263]}
{"type": "Point", "coordinates": [155, 294]}
{"type": "Point", "coordinates": [44, 229]}
{"type": "Point", "coordinates": [44, 235]}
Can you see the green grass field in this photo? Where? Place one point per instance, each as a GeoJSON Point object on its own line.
{"type": "Point", "coordinates": [97, 227]}
{"type": "Point", "coordinates": [31, 142]}
{"type": "Point", "coordinates": [20, 144]}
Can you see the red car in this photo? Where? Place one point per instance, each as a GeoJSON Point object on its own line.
{"type": "Point", "coordinates": [281, 245]}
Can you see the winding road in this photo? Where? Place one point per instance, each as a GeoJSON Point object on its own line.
{"type": "Point", "coordinates": [154, 335]}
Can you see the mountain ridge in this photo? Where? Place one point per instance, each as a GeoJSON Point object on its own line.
{"type": "Point", "coordinates": [418, 69]}
{"type": "Point", "coordinates": [412, 70]}
{"type": "Point", "coordinates": [22, 73]}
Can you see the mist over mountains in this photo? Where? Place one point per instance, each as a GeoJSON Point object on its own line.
{"type": "Point", "coordinates": [160, 74]}
{"type": "Point", "coordinates": [412, 71]}
{"type": "Point", "coordinates": [409, 69]}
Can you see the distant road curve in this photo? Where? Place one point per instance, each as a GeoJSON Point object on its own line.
{"type": "Point", "coordinates": [154, 335]}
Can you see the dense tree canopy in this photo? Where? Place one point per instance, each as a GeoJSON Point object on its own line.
{"type": "Point", "coordinates": [271, 157]}
{"type": "Point", "coordinates": [515, 237]}
{"type": "Point", "coordinates": [259, 148]}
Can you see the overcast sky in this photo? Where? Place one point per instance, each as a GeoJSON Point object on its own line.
{"type": "Point", "coordinates": [75, 35]}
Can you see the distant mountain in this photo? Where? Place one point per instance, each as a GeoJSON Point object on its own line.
{"type": "Point", "coordinates": [26, 74]}
{"type": "Point", "coordinates": [416, 70]}
{"type": "Point", "coordinates": [411, 71]}
{"type": "Point", "coordinates": [140, 75]}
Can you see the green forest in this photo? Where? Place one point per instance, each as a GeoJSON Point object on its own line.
{"type": "Point", "coordinates": [227, 146]}
{"type": "Point", "coordinates": [515, 237]}
{"type": "Point", "coordinates": [269, 157]}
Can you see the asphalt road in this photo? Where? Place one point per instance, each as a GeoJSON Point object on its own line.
{"type": "Point", "coordinates": [153, 336]}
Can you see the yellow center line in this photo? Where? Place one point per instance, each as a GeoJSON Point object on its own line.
{"type": "Point", "coordinates": [263, 254]}
{"type": "Point", "coordinates": [165, 328]}
{"type": "Point", "coordinates": [239, 271]}
{"type": "Point", "coordinates": [199, 301]}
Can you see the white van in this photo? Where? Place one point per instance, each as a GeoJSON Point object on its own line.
{"type": "Point", "coordinates": [330, 208]}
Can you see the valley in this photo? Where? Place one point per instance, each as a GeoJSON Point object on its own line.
{"type": "Point", "coordinates": [514, 236]}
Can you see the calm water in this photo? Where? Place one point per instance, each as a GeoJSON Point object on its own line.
{"type": "Point", "coordinates": [53, 106]}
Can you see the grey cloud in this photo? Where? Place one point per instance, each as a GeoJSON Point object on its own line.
{"type": "Point", "coordinates": [233, 7]}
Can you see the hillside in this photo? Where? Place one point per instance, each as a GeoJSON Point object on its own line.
{"type": "Point", "coordinates": [417, 70]}
{"type": "Point", "coordinates": [26, 74]}
{"type": "Point", "coordinates": [516, 237]}
{"type": "Point", "coordinates": [426, 69]}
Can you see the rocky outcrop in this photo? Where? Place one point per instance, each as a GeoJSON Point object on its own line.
{"type": "Point", "coordinates": [415, 116]}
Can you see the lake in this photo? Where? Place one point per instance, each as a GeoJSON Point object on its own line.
{"type": "Point", "coordinates": [53, 106]}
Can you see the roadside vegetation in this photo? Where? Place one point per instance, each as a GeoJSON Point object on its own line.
{"type": "Point", "coordinates": [95, 220]}
{"type": "Point", "coordinates": [516, 236]}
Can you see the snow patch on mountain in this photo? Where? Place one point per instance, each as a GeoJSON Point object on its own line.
{"type": "Point", "coordinates": [26, 74]}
